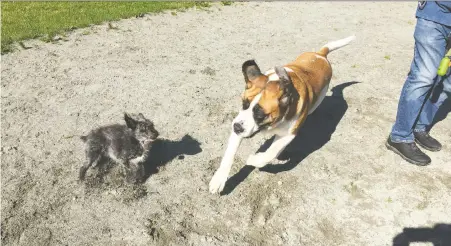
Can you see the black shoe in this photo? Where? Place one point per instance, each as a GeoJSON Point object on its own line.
{"type": "Point", "coordinates": [409, 152]}
{"type": "Point", "coordinates": [426, 141]}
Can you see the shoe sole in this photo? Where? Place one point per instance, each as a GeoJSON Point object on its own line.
{"type": "Point", "coordinates": [427, 148]}
{"type": "Point", "coordinates": [404, 157]}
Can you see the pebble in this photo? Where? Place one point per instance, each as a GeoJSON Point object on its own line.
{"type": "Point", "coordinates": [57, 38]}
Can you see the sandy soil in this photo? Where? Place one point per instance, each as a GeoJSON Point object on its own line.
{"type": "Point", "coordinates": [339, 185]}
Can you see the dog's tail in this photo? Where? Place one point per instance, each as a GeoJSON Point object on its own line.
{"type": "Point", "coordinates": [331, 46]}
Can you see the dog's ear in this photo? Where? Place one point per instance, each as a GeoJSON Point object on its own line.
{"type": "Point", "coordinates": [251, 71]}
{"type": "Point", "coordinates": [131, 123]}
{"type": "Point", "coordinates": [284, 79]}
{"type": "Point", "coordinates": [253, 75]}
{"type": "Point", "coordinates": [289, 94]}
{"type": "Point", "coordinates": [141, 117]}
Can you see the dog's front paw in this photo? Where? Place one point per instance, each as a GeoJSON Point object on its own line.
{"type": "Point", "coordinates": [218, 181]}
{"type": "Point", "coordinates": [257, 160]}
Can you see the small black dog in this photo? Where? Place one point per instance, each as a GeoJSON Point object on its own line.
{"type": "Point", "coordinates": [127, 145]}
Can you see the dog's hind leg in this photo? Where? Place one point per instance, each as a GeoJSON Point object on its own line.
{"type": "Point", "coordinates": [278, 145]}
{"type": "Point", "coordinates": [320, 99]}
{"type": "Point", "coordinates": [92, 157]}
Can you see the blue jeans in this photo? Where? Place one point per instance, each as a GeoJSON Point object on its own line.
{"type": "Point", "coordinates": [430, 43]}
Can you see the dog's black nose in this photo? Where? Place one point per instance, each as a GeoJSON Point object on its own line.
{"type": "Point", "coordinates": [238, 128]}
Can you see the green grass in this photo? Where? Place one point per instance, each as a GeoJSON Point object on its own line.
{"type": "Point", "coordinates": [226, 3]}
{"type": "Point", "coordinates": [26, 20]}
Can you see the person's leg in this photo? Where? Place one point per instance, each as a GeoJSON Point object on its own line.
{"type": "Point", "coordinates": [431, 107]}
{"type": "Point", "coordinates": [429, 50]}
{"type": "Point", "coordinates": [447, 82]}
{"type": "Point", "coordinates": [447, 86]}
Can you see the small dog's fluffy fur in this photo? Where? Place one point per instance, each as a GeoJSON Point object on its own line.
{"type": "Point", "coordinates": [128, 145]}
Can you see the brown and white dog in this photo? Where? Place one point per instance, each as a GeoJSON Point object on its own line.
{"type": "Point", "coordinates": [277, 101]}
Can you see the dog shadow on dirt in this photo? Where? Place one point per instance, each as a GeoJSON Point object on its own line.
{"type": "Point", "coordinates": [163, 151]}
{"type": "Point", "coordinates": [315, 133]}
{"type": "Point", "coordinates": [439, 235]}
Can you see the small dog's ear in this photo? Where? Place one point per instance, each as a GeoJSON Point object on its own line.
{"type": "Point", "coordinates": [251, 71]}
{"type": "Point", "coordinates": [141, 117]}
{"type": "Point", "coordinates": [284, 79]}
{"type": "Point", "coordinates": [131, 123]}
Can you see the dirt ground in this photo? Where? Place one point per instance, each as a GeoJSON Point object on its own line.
{"type": "Point", "coordinates": [338, 184]}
